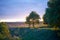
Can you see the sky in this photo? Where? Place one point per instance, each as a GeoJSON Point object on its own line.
{"type": "Point", "coordinates": [18, 10]}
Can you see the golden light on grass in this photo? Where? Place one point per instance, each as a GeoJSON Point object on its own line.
{"type": "Point", "coordinates": [51, 28]}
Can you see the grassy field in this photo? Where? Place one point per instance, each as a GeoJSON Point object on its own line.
{"type": "Point", "coordinates": [35, 33]}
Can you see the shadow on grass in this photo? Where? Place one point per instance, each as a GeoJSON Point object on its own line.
{"type": "Point", "coordinates": [34, 33]}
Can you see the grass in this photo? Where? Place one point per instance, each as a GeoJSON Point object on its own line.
{"type": "Point", "coordinates": [35, 33]}
{"type": "Point", "coordinates": [50, 28]}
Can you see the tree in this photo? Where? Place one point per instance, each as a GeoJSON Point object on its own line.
{"type": "Point", "coordinates": [4, 32]}
{"type": "Point", "coordinates": [52, 14]}
{"type": "Point", "coordinates": [33, 18]}
{"type": "Point", "coordinates": [45, 17]}
{"type": "Point", "coordinates": [28, 21]}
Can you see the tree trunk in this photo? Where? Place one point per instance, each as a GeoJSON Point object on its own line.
{"type": "Point", "coordinates": [29, 25]}
{"type": "Point", "coordinates": [33, 25]}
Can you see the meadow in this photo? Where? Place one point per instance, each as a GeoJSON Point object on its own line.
{"type": "Point", "coordinates": [34, 33]}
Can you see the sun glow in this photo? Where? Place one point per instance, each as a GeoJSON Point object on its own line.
{"type": "Point", "coordinates": [12, 20]}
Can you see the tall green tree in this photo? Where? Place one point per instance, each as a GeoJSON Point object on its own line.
{"type": "Point", "coordinates": [33, 18]}
{"type": "Point", "coordinates": [52, 15]}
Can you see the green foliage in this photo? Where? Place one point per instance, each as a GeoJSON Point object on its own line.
{"type": "Point", "coordinates": [32, 18]}
{"type": "Point", "coordinates": [33, 15]}
{"type": "Point", "coordinates": [52, 15]}
{"type": "Point", "coordinates": [28, 20]}
{"type": "Point", "coordinates": [4, 32]}
{"type": "Point", "coordinates": [2, 36]}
